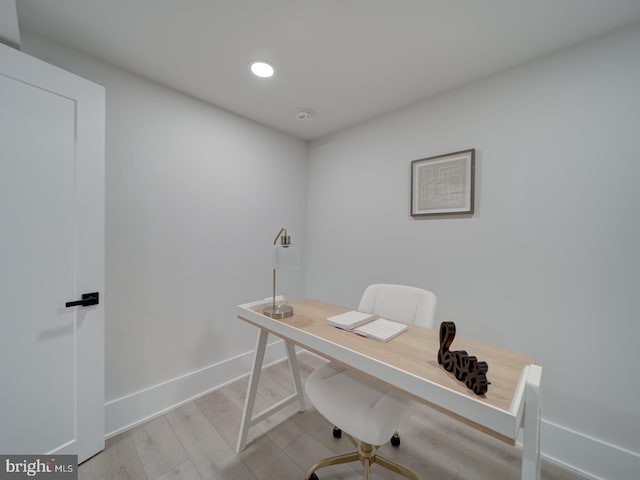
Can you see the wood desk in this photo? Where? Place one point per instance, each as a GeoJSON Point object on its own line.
{"type": "Point", "coordinates": [408, 363]}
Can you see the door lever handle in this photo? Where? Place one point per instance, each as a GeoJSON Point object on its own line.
{"type": "Point", "coordinates": [87, 300]}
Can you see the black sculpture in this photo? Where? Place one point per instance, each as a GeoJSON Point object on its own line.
{"type": "Point", "coordinates": [466, 368]}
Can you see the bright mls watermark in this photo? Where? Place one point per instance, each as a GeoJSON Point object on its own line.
{"type": "Point", "coordinates": [58, 467]}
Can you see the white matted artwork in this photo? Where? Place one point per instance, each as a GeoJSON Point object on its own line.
{"type": "Point", "coordinates": [443, 185]}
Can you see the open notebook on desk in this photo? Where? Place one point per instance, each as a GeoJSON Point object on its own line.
{"type": "Point", "coordinates": [367, 325]}
{"type": "Point", "coordinates": [381, 329]}
{"type": "Point", "coordinates": [350, 320]}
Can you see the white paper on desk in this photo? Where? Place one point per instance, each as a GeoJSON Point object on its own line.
{"type": "Point", "coordinates": [381, 329]}
{"type": "Point", "coordinates": [349, 320]}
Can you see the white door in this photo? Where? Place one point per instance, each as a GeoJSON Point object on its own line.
{"type": "Point", "coordinates": [51, 252]}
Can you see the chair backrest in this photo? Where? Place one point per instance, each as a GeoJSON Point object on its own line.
{"type": "Point", "coordinates": [400, 302]}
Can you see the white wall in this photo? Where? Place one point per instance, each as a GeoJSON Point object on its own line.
{"type": "Point", "coordinates": [9, 31]}
{"type": "Point", "coordinates": [548, 264]}
{"type": "Point", "coordinates": [194, 197]}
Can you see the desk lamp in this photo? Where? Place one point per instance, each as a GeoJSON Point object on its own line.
{"type": "Point", "coordinates": [285, 257]}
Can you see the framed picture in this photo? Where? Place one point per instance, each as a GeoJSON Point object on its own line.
{"type": "Point", "coordinates": [443, 185]}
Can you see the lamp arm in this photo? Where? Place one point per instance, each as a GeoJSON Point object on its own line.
{"type": "Point", "coordinates": [283, 229]}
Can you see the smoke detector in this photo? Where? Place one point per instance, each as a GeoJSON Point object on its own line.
{"type": "Point", "coordinates": [304, 115]}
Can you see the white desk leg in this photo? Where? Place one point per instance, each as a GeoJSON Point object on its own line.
{"type": "Point", "coordinates": [295, 373]}
{"type": "Point", "coordinates": [252, 389]}
{"type": "Point", "coordinates": [532, 410]}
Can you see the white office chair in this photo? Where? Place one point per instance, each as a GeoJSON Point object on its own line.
{"type": "Point", "coordinates": [367, 411]}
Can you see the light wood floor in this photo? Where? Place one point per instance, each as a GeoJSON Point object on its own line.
{"type": "Point", "coordinates": [197, 442]}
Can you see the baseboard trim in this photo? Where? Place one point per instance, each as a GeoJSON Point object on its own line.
{"type": "Point", "coordinates": [126, 412]}
{"type": "Point", "coordinates": [588, 456]}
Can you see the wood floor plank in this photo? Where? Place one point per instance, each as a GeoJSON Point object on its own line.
{"type": "Point", "coordinates": [158, 447]}
{"type": "Point", "coordinates": [484, 457]}
{"type": "Point", "coordinates": [552, 471]}
{"type": "Point", "coordinates": [225, 416]}
{"type": "Point", "coordinates": [84, 471]}
{"type": "Point", "coordinates": [270, 387]}
{"type": "Point", "coordinates": [306, 450]}
{"type": "Point", "coordinates": [235, 394]}
{"type": "Point", "coordinates": [212, 456]}
{"type": "Point", "coordinates": [119, 461]}
{"type": "Point", "coordinates": [319, 428]}
{"type": "Point", "coordinates": [268, 462]}
{"type": "Point", "coordinates": [222, 413]}
{"type": "Point", "coordinates": [418, 451]}
{"type": "Point", "coordinates": [281, 373]}
{"type": "Point", "coordinates": [237, 391]}
{"type": "Point", "coordinates": [287, 431]}
{"type": "Point", "coordinates": [184, 471]}
{"type": "Point", "coordinates": [469, 438]}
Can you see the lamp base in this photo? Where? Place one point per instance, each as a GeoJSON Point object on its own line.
{"type": "Point", "coordinates": [280, 311]}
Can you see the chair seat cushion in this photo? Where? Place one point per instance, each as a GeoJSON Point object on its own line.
{"type": "Point", "coordinates": [361, 407]}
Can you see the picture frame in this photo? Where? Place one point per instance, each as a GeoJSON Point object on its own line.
{"type": "Point", "coordinates": [443, 184]}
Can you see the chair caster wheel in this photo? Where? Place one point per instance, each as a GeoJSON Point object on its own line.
{"type": "Point", "coordinates": [313, 477]}
{"type": "Point", "coordinates": [395, 440]}
{"type": "Point", "coordinates": [337, 433]}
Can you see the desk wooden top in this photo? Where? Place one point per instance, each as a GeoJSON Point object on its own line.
{"type": "Point", "coordinates": [414, 353]}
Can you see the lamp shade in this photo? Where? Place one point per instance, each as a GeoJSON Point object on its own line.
{"type": "Point", "coordinates": [286, 257]}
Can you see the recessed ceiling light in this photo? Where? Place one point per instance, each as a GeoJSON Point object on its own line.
{"type": "Point", "coordinates": [261, 69]}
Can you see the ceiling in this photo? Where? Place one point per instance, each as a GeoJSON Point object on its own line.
{"type": "Point", "coordinates": [345, 60]}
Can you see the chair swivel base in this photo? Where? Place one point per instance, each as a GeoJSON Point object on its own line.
{"type": "Point", "coordinates": [367, 455]}
{"type": "Point", "coordinates": [395, 439]}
